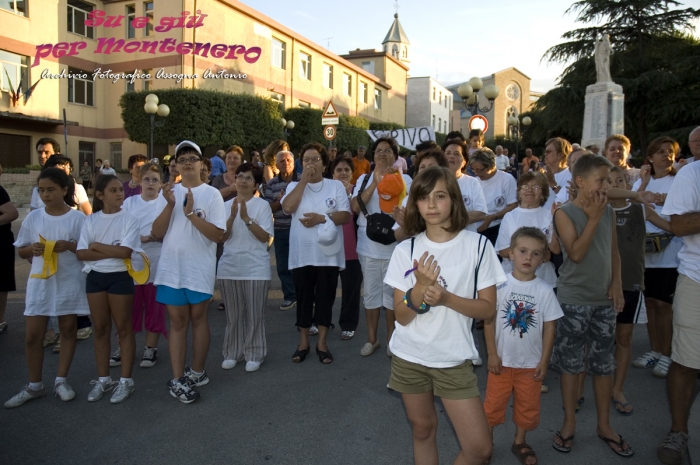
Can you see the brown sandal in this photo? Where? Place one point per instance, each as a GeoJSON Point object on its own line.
{"type": "Point", "coordinates": [516, 449]}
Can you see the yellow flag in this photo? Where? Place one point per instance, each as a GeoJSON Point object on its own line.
{"type": "Point", "coordinates": [50, 260]}
{"type": "Point", "coordinates": [140, 276]}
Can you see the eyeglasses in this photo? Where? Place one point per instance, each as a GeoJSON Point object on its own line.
{"type": "Point", "coordinates": [191, 160]}
{"type": "Point", "coordinates": [528, 187]}
{"type": "Point", "coordinates": [306, 161]}
{"type": "Point", "coordinates": [150, 181]}
{"type": "Point", "coordinates": [383, 151]}
{"type": "Point", "coordinates": [240, 177]}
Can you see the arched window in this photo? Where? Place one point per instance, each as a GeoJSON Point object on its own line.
{"type": "Point", "coordinates": [405, 51]}
{"type": "Point", "coordinates": [395, 51]}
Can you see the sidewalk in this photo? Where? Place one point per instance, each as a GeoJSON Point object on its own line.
{"type": "Point", "coordinates": [694, 430]}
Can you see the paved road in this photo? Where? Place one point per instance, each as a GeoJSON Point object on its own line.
{"type": "Point", "coordinates": [285, 413]}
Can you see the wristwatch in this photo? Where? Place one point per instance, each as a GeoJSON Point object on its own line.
{"type": "Point", "coordinates": [250, 222]}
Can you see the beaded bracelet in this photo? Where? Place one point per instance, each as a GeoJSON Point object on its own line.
{"type": "Point", "coordinates": [423, 308]}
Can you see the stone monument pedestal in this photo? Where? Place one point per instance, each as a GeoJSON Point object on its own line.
{"type": "Point", "coordinates": [604, 114]}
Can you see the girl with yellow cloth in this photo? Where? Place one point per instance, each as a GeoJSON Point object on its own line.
{"type": "Point", "coordinates": [49, 235]}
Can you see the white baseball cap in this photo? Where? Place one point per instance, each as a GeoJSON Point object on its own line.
{"type": "Point", "coordinates": [188, 143]}
{"type": "Point", "coordinates": [328, 238]}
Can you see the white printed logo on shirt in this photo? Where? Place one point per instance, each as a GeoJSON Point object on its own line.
{"type": "Point", "coordinates": [500, 201]}
{"type": "Point", "coordinates": [467, 201]}
{"type": "Point", "coordinates": [200, 213]}
{"type": "Point", "coordinates": [331, 203]}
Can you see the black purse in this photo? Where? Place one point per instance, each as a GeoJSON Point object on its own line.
{"type": "Point", "coordinates": [379, 225]}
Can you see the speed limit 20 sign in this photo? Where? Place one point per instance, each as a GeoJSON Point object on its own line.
{"type": "Point", "coordinates": [329, 132]}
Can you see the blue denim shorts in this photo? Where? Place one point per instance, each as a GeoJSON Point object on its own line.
{"type": "Point", "coordinates": [179, 297]}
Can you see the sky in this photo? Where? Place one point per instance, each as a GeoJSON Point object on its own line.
{"type": "Point", "coordinates": [451, 40]}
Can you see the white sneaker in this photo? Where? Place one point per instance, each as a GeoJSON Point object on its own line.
{"type": "Point", "coordinates": [122, 392]}
{"type": "Point", "coordinates": [100, 388]}
{"type": "Point", "coordinates": [478, 362]}
{"type": "Point", "coordinates": [313, 330]}
{"type": "Point", "coordinates": [63, 390]}
{"type": "Point", "coordinates": [150, 357]}
{"type": "Point", "coordinates": [662, 366]}
{"type": "Point", "coordinates": [24, 395]}
{"type": "Point", "coordinates": [648, 360]}
{"type": "Point", "coordinates": [369, 348]}
{"type": "Point", "coordinates": [252, 366]}
{"type": "Point", "coordinates": [228, 364]}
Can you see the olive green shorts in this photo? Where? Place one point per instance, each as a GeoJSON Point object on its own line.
{"type": "Point", "coordinates": [456, 383]}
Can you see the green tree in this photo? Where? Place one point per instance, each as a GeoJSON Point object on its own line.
{"type": "Point", "coordinates": [205, 117]}
{"type": "Point", "coordinates": [655, 59]}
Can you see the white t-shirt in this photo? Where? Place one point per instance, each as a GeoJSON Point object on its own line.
{"type": "Point", "coordinates": [64, 292]}
{"type": "Point", "coordinates": [121, 228]}
{"type": "Point", "coordinates": [323, 197]}
{"type": "Point", "coordinates": [499, 191]}
{"type": "Point", "coordinates": [473, 196]}
{"type": "Point", "coordinates": [684, 197]}
{"type": "Point", "coordinates": [79, 196]}
{"type": "Point", "coordinates": [146, 212]}
{"type": "Point", "coordinates": [539, 218]}
{"type": "Point", "coordinates": [669, 257]}
{"type": "Point", "coordinates": [442, 337]}
{"type": "Point", "coordinates": [366, 246]}
{"type": "Point", "coordinates": [188, 258]}
{"type": "Point", "coordinates": [502, 162]}
{"type": "Point", "coordinates": [523, 308]}
{"type": "Point", "coordinates": [245, 258]}
{"type": "Point", "coordinates": [562, 178]}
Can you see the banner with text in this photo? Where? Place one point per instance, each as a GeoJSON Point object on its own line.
{"type": "Point", "coordinates": [407, 138]}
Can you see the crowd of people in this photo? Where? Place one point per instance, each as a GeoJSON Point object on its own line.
{"type": "Point", "coordinates": [557, 260]}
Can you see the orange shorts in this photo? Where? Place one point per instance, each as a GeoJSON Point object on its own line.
{"type": "Point", "coordinates": [526, 403]}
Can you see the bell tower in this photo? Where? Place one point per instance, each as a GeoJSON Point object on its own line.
{"type": "Point", "coordinates": [396, 42]}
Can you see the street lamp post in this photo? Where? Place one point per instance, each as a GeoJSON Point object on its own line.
{"type": "Point", "coordinates": [469, 93]}
{"type": "Point", "coordinates": [152, 108]}
{"type": "Point", "coordinates": [287, 126]}
{"type": "Point", "coordinates": [514, 125]}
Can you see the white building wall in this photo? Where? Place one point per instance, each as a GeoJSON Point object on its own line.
{"type": "Point", "coordinates": [428, 103]}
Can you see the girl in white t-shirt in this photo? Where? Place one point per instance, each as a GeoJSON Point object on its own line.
{"type": "Point", "coordinates": [244, 271]}
{"type": "Point", "coordinates": [146, 207]}
{"type": "Point", "coordinates": [533, 192]}
{"type": "Point", "coordinates": [194, 221]}
{"type": "Point", "coordinates": [443, 278]}
{"type": "Point", "coordinates": [54, 287]}
{"type": "Point", "coordinates": [108, 238]}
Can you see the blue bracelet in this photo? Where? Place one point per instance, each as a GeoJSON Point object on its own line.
{"type": "Point", "coordinates": [423, 308]}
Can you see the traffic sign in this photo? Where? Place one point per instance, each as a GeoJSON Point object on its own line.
{"type": "Point", "coordinates": [330, 115]}
{"type": "Point", "coordinates": [478, 122]}
{"type": "Point", "coordinates": [329, 132]}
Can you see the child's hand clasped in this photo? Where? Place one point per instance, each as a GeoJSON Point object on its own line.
{"type": "Point", "coordinates": [37, 249]}
{"type": "Point", "coordinates": [435, 295]}
{"type": "Point", "coordinates": [540, 371]}
{"type": "Point", "coordinates": [427, 270]}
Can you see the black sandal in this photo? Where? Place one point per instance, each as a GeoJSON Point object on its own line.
{"type": "Point", "coordinates": [621, 444]}
{"type": "Point", "coordinates": [324, 356]}
{"type": "Point", "coordinates": [221, 307]}
{"type": "Point", "coordinates": [300, 355]}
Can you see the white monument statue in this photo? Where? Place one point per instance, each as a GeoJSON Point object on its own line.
{"type": "Point", "coordinates": [602, 59]}
{"type": "Point", "coordinates": [604, 112]}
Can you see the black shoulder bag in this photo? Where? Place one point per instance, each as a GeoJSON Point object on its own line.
{"type": "Point", "coordinates": [379, 225]}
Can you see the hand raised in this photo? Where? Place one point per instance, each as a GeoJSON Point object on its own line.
{"type": "Point", "coordinates": [427, 270]}
{"type": "Point", "coordinates": [189, 202]}
{"type": "Point", "coordinates": [594, 206]}
{"type": "Point", "coordinates": [399, 214]}
{"type": "Point", "coordinates": [169, 193]}
{"type": "Point", "coordinates": [243, 208]}
{"type": "Point", "coordinates": [645, 173]}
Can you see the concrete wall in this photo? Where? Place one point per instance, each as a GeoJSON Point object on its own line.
{"type": "Point", "coordinates": [421, 106]}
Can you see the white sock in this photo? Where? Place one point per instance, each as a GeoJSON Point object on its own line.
{"type": "Point", "coordinates": [126, 380]}
{"type": "Point", "coordinates": [656, 354]}
{"type": "Point", "coordinates": [36, 386]}
{"type": "Point", "coordinates": [105, 379]}
{"type": "Point", "coordinates": [196, 373]}
{"type": "Point", "coordinates": [59, 379]}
